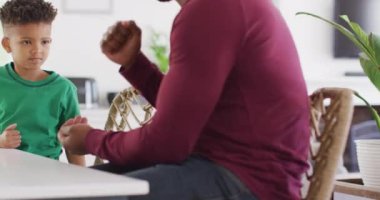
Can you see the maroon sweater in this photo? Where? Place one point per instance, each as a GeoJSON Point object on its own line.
{"type": "Point", "coordinates": [234, 94]}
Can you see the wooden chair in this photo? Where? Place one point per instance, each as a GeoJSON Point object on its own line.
{"type": "Point", "coordinates": [331, 115]}
{"type": "Point", "coordinates": [128, 110]}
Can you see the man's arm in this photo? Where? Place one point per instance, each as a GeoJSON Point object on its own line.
{"type": "Point", "coordinates": [121, 44]}
{"type": "Point", "coordinates": [76, 159]}
{"type": "Point", "coordinates": [204, 49]}
{"type": "Point", "coordinates": [144, 76]}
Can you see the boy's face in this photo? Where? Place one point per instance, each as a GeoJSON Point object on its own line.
{"type": "Point", "coordinates": [28, 44]}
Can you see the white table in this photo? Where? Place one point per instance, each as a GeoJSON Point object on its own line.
{"type": "Point", "coordinates": [27, 176]}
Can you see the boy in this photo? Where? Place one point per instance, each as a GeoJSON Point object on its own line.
{"type": "Point", "coordinates": [34, 103]}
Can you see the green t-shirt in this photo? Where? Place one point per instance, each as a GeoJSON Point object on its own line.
{"type": "Point", "coordinates": [39, 109]}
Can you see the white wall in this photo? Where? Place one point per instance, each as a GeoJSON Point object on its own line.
{"type": "Point", "coordinates": [314, 39]}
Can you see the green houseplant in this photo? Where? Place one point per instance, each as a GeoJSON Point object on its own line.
{"type": "Point", "coordinates": [160, 50]}
{"type": "Point", "coordinates": [369, 45]}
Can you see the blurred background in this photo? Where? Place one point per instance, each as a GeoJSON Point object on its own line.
{"type": "Point", "coordinates": [80, 24]}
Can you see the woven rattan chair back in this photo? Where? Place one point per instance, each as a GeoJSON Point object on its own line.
{"type": "Point", "coordinates": [331, 115]}
{"type": "Point", "coordinates": [128, 110]}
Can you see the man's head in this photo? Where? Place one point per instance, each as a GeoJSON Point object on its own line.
{"type": "Point", "coordinates": [27, 31]}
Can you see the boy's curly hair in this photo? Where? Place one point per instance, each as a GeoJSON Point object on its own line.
{"type": "Point", "coordinates": [20, 12]}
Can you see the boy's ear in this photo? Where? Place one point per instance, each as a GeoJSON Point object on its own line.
{"type": "Point", "coordinates": [5, 44]}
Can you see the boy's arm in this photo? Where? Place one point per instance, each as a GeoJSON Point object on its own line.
{"type": "Point", "coordinates": [71, 116]}
{"type": "Point", "coordinates": [76, 159]}
{"type": "Point", "coordinates": [10, 138]}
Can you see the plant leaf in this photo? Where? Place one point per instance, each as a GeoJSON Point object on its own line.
{"type": "Point", "coordinates": [374, 113]}
{"type": "Point", "coordinates": [341, 29]}
{"type": "Point", "coordinates": [371, 70]}
{"type": "Point", "coordinates": [375, 44]}
{"type": "Point", "coordinates": [360, 35]}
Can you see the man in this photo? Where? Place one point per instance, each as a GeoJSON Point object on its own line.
{"type": "Point", "coordinates": [232, 112]}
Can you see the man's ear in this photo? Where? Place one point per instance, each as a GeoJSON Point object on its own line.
{"type": "Point", "coordinates": [5, 44]}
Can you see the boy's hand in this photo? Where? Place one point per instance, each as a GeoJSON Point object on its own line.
{"type": "Point", "coordinates": [122, 43]}
{"type": "Point", "coordinates": [72, 135]}
{"type": "Point", "coordinates": [10, 138]}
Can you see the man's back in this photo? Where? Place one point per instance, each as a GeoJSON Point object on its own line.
{"type": "Point", "coordinates": [259, 127]}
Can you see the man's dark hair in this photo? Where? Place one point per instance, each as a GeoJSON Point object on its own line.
{"type": "Point", "coordinates": [20, 12]}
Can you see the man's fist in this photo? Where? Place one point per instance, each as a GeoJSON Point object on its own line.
{"type": "Point", "coordinates": [122, 43]}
